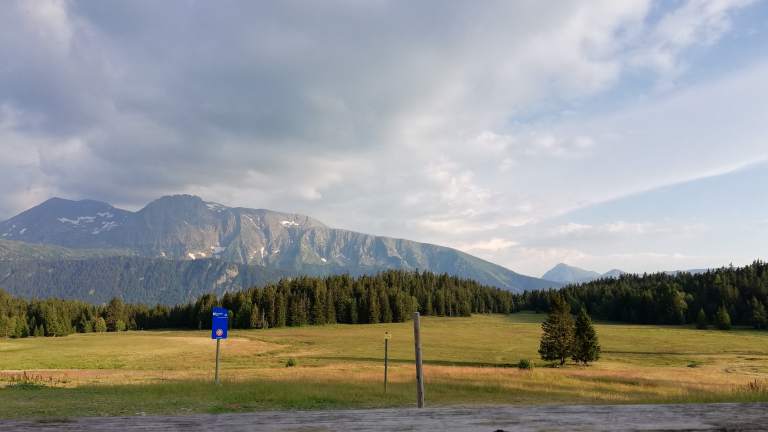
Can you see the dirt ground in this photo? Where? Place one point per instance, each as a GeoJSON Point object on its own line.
{"type": "Point", "coordinates": [693, 417]}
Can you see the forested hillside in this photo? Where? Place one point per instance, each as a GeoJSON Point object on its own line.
{"type": "Point", "coordinates": [132, 279]}
{"type": "Point", "coordinates": [661, 298]}
{"type": "Point", "coordinates": [18, 251]}
{"type": "Point", "coordinates": [392, 296]}
{"type": "Point", "coordinates": [386, 297]}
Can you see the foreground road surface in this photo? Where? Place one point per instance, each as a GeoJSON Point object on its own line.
{"type": "Point", "coordinates": [704, 417]}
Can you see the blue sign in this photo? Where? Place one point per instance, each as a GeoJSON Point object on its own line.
{"type": "Point", "coordinates": [220, 321]}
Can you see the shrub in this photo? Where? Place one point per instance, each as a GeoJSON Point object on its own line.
{"type": "Point", "coordinates": [525, 364]}
{"type": "Point", "coordinates": [292, 362]}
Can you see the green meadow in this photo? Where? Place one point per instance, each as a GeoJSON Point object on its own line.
{"type": "Point", "coordinates": [467, 362]}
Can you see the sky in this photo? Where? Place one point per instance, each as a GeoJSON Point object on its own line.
{"type": "Point", "coordinates": [601, 134]}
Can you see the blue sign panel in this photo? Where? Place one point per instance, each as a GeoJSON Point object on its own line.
{"type": "Point", "coordinates": [220, 319]}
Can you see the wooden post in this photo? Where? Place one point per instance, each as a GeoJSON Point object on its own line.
{"type": "Point", "coordinates": [218, 345]}
{"type": "Point", "coordinates": [419, 375]}
{"type": "Point", "coordinates": [386, 359]}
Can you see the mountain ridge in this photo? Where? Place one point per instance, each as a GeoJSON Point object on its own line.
{"type": "Point", "coordinates": [186, 227]}
{"type": "Point", "coordinates": [566, 274]}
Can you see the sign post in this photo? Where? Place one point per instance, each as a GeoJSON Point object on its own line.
{"type": "Point", "coordinates": [419, 375]}
{"type": "Point", "coordinates": [387, 337]}
{"type": "Point", "coordinates": [219, 331]}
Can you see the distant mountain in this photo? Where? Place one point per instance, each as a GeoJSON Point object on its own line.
{"type": "Point", "coordinates": [133, 279]}
{"type": "Point", "coordinates": [692, 271]}
{"type": "Point", "coordinates": [73, 224]}
{"type": "Point", "coordinates": [615, 273]}
{"type": "Point", "coordinates": [566, 274]}
{"type": "Point", "coordinates": [185, 227]}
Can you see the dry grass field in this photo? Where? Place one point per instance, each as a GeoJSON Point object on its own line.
{"type": "Point", "coordinates": [339, 366]}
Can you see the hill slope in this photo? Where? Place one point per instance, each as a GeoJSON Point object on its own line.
{"type": "Point", "coordinates": [186, 227]}
{"type": "Point", "coordinates": [133, 279]}
{"type": "Point", "coordinates": [17, 250]}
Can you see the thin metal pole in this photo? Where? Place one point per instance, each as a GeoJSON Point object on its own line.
{"type": "Point", "coordinates": [419, 375]}
{"type": "Point", "coordinates": [218, 345]}
{"type": "Point", "coordinates": [386, 353]}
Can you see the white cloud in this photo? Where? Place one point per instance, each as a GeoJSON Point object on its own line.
{"type": "Point", "coordinates": [444, 122]}
{"type": "Point", "coordinates": [493, 244]}
{"type": "Point", "coordinates": [619, 228]}
{"type": "Point", "coordinates": [693, 23]}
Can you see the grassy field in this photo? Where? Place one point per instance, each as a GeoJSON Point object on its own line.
{"type": "Point", "coordinates": [170, 372]}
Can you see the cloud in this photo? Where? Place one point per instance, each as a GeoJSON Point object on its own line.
{"type": "Point", "coordinates": [619, 228]}
{"type": "Point", "coordinates": [493, 244]}
{"type": "Point", "coordinates": [694, 23]}
{"type": "Point", "coordinates": [444, 122]}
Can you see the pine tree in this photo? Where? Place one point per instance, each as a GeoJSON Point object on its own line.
{"type": "Point", "coordinates": [330, 308]}
{"type": "Point", "coordinates": [373, 307]}
{"type": "Point", "coordinates": [280, 310]}
{"type": "Point", "coordinates": [254, 320]}
{"type": "Point", "coordinates": [722, 319]}
{"type": "Point", "coordinates": [4, 326]}
{"type": "Point", "coordinates": [758, 319]}
{"type": "Point", "coordinates": [353, 316]}
{"type": "Point", "coordinates": [586, 347]}
{"type": "Point", "coordinates": [82, 324]}
{"type": "Point", "coordinates": [557, 341]}
{"type": "Point", "coordinates": [701, 320]}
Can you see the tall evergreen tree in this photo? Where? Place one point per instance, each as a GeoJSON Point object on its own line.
{"type": "Point", "coordinates": [254, 317]}
{"type": "Point", "coordinates": [586, 347]}
{"type": "Point", "coordinates": [723, 319]}
{"type": "Point", "coordinates": [758, 319]}
{"type": "Point", "coordinates": [373, 307]}
{"type": "Point", "coordinates": [557, 341]}
{"type": "Point", "coordinates": [280, 310]}
{"type": "Point", "coordinates": [701, 320]}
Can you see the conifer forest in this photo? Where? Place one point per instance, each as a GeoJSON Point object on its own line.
{"type": "Point", "coordinates": [393, 296]}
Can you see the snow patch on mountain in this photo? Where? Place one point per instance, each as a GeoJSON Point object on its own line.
{"type": "Point", "coordinates": [87, 219]}
{"type": "Point", "coordinates": [104, 227]}
{"type": "Point", "coordinates": [289, 223]}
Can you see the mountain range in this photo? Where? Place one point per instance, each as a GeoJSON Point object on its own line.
{"type": "Point", "coordinates": [566, 274]}
{"type": "Point", "coordinates": [184, 227]}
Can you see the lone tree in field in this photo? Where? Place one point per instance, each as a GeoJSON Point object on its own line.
{"type": "Point", "coordinates": [557, 341]}
{"type": "Point", "coordinates": [722, 319]}
{"type": "Point", "coordinates": [586, 347]}
{"type": "Point", "coordinates": [701, 320]}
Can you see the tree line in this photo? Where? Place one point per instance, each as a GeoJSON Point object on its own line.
{"type": "Point", "coordinates": [719, 297]}
{"type": "Point", "coordinates": [391, 296]}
